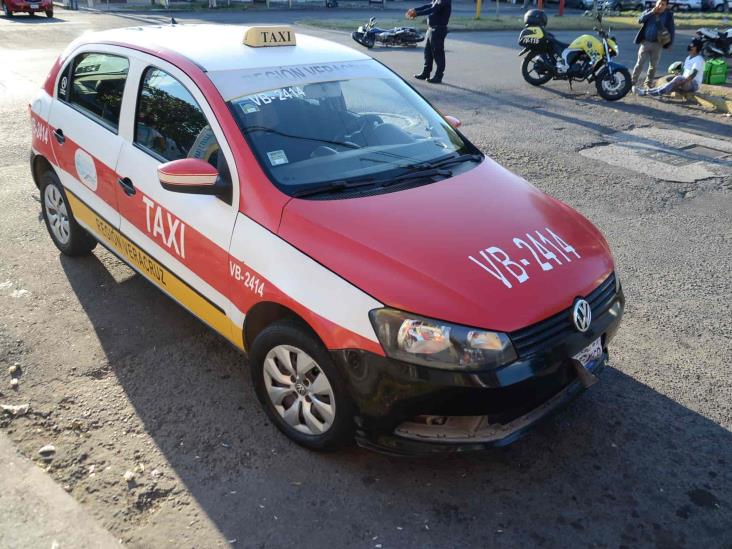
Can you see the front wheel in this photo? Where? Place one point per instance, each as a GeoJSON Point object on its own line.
{"type": "Point", "coordinates": [300, 387]}
{"type": "Point", "coordinates": [534, 69]}
{"type": "Point", "coordinates": [613, 86]}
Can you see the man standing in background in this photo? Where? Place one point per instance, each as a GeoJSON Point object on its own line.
{"type": "Point", "coordinates": [438, 13]}
{"type": "Point", "coordinates": [656, 34]}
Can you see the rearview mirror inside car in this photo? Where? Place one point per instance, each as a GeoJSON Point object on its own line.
{"type": "Point", "coordinates": [454, 122]}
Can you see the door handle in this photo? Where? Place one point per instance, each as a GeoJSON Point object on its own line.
{"type": "Point", "coordinates": [127, 186]}
{"type": "Point", "coordinates": [59, 135]}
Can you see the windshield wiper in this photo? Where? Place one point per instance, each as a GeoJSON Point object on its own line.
{"type": "Point", "coordinates": [333, 186]}
{"type": "Point", "coordinates": [346, 144]}
{"type": "Point", "coordinates": [447, 161]}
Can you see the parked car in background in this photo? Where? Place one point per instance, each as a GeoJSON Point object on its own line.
{"type": "Point", "coordinates": [623, 5]}
{"type": "Point", "coordinates": [716, 5]}
{"type": "Point", "coordinates": [11, 7]}
{"type": "Point", "coordinates": [680, 5]}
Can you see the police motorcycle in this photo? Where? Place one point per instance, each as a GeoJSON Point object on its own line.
{"type": "Point", "coordinates": [367, 35]}
{"type": "Point", "coordinates": [586, 58]}
{"type": "Point", "coordinates": [715, 43]}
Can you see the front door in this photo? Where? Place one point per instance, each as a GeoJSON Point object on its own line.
{"type": "Point", "coordinates": [188, 234]}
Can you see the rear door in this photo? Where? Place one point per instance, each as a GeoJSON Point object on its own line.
{"type": "Point", "coordinates": [188, 234]}
{"type": "Point", "coordinates": [84, 123]}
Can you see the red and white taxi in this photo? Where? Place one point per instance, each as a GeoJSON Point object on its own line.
{"type": "Point", "coordinates": [387, 280]}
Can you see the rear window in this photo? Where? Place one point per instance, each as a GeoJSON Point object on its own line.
{"type": "Point", "coordinates": [95, 86]}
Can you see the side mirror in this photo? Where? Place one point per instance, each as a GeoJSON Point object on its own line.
{"type": "Point", "coordinates": [192, 176]}
{"type": "Point", "coordinates": [454, 122]}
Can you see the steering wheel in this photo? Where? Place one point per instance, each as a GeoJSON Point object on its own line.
{"type": "Point", "coordinates": [363, 122]}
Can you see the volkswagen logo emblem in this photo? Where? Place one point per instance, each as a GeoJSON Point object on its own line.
{"type": "Point", "coordinates": [581, 315]}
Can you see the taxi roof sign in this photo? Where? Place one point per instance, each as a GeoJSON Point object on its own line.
{"type": "Point", "coordinates": [265, 36]}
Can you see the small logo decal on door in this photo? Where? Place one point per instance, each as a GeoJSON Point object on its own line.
{"type": "Point", "coordinates": [85, 169]}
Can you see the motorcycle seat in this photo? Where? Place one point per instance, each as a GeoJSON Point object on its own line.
{"type": "Point", "coordinates": [709, 33]}
{"type": "Point", "coordinates": [558, 46]}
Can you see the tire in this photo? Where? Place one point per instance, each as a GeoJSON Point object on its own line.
{"type": "Point", "coordinates": [527, 69]}
{"type": "Point", "coordinates": [49, 13]}
{"type": "Point", "coordinates": [31, 14]}
{"type": "Point", "coordinates": [290, 400]}
{"type": "Point", "coordinates": [6, 10]}
{"type": "Point", "coordinates": [369, 42]}
{"type": "Point", "coordinates": [615, 90]}
{"type": "Point", "coordinates": [69, 237]}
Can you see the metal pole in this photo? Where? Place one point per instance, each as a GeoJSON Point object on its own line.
{"type": "Point", "coordinates": [561, 8]}
{"type": "Point", "coordinates": [478, 6]}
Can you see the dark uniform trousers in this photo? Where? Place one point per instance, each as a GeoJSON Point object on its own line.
{"type": "Point", "coordinates": [434, 50]}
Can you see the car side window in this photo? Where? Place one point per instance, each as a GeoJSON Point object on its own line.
{"type": "Point", "coordinates": [170, 124]}
{"type": "Point", "coordinates": [96, 87]}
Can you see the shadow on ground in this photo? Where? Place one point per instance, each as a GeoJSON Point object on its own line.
{"type": "Point", "coordinates": [613, 469]}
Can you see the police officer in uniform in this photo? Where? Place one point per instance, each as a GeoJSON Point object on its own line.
{"type": "Point", "coordinates": [438, 13]}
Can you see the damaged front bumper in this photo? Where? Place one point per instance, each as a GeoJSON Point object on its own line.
{"type": "Point", "coordinates": [408, 409]}
{"type": "Point", "coordinates": [451, 434]}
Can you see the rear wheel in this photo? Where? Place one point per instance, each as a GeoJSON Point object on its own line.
{"type": "Point", "coordinates": [533, 69]}
{"type": "Point", "coordinates": [300, 387]}
{"type": "Point", "coordinates": [49, 13]}
{"type": "Point", "coordinates": [68, 236]}
{"type": "Point", "coordinates": [613, 86]}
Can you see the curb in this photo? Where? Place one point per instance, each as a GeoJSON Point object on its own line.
{"type": "Point", "coordinates": [37, 512]}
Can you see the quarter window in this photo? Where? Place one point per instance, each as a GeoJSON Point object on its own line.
{"type": "Point", "coordinates": [97, 84]}
{"type": "Point", "coordinates": [169, 123]}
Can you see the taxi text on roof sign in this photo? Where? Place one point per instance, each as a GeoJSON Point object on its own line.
{"type": "Point", "coordinates": [258, 37]}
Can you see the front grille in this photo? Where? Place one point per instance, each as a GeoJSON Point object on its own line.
{"type": "Point", "coordinates": [528, 341]}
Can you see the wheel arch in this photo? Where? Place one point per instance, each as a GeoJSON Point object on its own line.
{"type": "Point", "coordinates": [39, 164]}
{"type": "Point", "coordinates": [264, 314]}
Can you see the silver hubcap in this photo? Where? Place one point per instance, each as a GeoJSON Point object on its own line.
{"type": "Point", "coordinates": [614, 83]}
{"type": "Point", "coordinates": [58, 217]}
{"type": "Point", "coordinates": [299, 390]}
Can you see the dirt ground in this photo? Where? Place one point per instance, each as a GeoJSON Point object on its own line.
{"type": "Point", "coordinates": [157, 432]}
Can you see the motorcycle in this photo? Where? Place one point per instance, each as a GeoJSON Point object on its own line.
{"type": "Point", "coordinates": [367, 35]}
{"type": "Point", "coordinates": [586, 58]}
{"type": "Point", "coordinates": [715, 43]}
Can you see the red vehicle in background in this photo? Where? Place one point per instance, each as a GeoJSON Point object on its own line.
{"type": "Point", "coordinates": [11, 7]}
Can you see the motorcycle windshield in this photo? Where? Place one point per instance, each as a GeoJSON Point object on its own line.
{"type": "Point", "coordinates": [348, 132]}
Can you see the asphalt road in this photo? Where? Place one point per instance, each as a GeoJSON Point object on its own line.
{"type": "Point", "coordinates": [119, 378]}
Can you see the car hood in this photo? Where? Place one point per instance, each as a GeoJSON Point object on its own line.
{"type": "Point", "coordinates": [456, 250]}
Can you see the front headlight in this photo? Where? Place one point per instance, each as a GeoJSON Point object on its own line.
{"type": "Point", "coordinates": [438, 344]}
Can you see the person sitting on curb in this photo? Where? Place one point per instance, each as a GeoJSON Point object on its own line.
{"type": "Point", "coordinates": [656, 34]}
{"type": "Point", "coordinates": [691, 78]}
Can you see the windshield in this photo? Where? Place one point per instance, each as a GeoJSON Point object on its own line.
{"type": "Point", "coordinates": [368, 130]}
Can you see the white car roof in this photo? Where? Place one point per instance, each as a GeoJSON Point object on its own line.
{"type": "Point", "coordinates": [221, 48]}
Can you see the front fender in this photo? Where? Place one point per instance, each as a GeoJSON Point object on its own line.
{"type": "Point", "coordinates": [613, 66]}
{"type": "Point", "coordinates": [524, 51]}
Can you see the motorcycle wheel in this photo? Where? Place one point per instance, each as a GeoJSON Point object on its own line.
{"type": "Point", "coordinates": [530, 71]}
{"type": "Point", "coordinates": [615, 86]}
{"type": "Point", "coordinates": [368, 42]}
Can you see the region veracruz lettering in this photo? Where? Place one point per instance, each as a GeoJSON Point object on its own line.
{"type": "Point", "coordinates": [303, 72]}
{"type": "Point", "coordinates": [138, 257]}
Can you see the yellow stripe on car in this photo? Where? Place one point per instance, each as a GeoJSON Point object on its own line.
{"type": "Point", "coordinates": [159, 275]}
